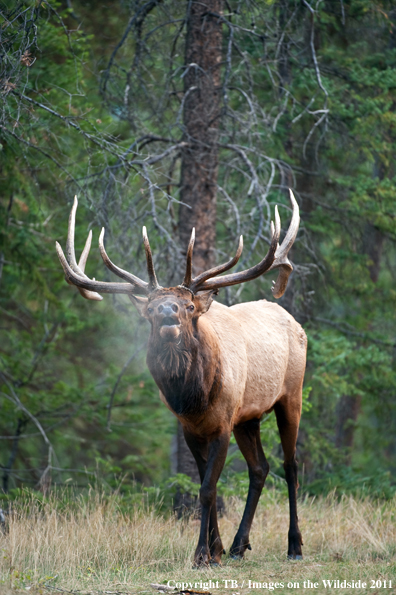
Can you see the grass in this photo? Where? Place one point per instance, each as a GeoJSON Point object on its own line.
{"type": "Point", "coordinates": [92, 545]}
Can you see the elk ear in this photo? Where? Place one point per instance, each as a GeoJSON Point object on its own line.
{"type": "Point", "coordinates": [140, 304]}
{"type": "Point", "coordinates": [203, 301]}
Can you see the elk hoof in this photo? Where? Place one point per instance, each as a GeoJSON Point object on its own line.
{"type": "Point", "coordinates": [215, 556]}
{"type": "Point", "coordinates": [238, 548]}
{"type": "Point", "coordinates": [202, 558]}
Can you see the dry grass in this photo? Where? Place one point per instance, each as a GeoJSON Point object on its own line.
{"type": "Point", "coordinates": [95, 547]}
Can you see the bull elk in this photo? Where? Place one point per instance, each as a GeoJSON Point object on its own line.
{"type": "Point", "coordinates": [219, 369]}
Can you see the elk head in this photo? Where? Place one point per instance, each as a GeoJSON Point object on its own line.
{"type": "Point", "coordinates": [173, 310]}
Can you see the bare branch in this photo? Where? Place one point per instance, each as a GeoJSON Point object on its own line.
{"type": "Point", "coordinates": [15, 399]}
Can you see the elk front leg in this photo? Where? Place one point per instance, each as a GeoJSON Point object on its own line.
{"type": "Point", "coordinates": [288, 412]}
{"type": "Point", "coordinates": [210, 460]}
{"type": "Point", "coordinates": [247, 436]}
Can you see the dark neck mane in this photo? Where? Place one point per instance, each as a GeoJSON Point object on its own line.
{"type": "Point", "coordinates": [187, 372]}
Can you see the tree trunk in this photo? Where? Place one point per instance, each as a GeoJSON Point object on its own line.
{"type": "Point", "coordinates": [373, 241]}
{"type": "Point", "coordinates": [14, 451]}
{"type": "Point", "coordinates": [199, 165]}
{"type": "Point", "coordinates": [348, 409]}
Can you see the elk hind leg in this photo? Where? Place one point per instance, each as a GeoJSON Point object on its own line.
{"type": "Point", "coordinates": [288, 413]}
{"type": "Point", "coordinates": [247, 436]}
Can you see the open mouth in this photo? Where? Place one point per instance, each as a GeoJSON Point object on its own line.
{"type": "Point", "coordinates": [169, 321]}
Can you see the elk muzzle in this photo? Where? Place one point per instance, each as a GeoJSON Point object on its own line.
{"type": "Point", "coordinates": [169, 321]}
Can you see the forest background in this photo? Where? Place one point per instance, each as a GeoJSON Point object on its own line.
{"type": "Point", "coordinates": [93, 102]}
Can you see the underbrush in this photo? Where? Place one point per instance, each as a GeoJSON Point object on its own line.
{"type": "Point", "coordinates": [93, 543]}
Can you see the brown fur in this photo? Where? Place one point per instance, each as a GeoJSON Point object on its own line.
{"type": "Point", "coordinates": [219, 370]}
{"type": "Point", "coordinates": [174, 359]}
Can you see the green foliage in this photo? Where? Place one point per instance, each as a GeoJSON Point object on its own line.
{"type": "Point", "coordinates": [61, 358]}
{"type": "Point", "coordinates": [338, 367]}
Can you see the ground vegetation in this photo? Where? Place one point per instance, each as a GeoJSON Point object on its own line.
{"type": "Point", "coordinates": [97, 103]}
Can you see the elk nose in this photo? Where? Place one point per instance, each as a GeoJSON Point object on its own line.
{"type": "Point", "coordinates": [168, 309]}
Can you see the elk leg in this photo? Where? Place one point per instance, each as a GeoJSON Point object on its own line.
{"type": "Point", "coordinates": [288, 418]}
{"type": "Point", "coordinates": [209, 548]}
{"type": "Point", "coordinates": [247, 436]}
{"type": "Point", "coordinates": [199, 450]}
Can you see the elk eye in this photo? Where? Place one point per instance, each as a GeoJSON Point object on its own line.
{"type": "Point", "coordinates": [191, 308]}
{"type": "Point", "coordinates": [150, 310]}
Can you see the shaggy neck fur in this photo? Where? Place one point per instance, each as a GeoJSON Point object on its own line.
{"type": "Point", "coordinates": [187, 371]}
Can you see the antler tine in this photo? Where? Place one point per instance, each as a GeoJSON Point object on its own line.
{"type": "Point", "coordinates": [153, 283]}
{"type": "Point", "coordinates": [222, 268]}
{"type": "Point", "coordinates": [88, 295]}
{"type": "Point", "coordinates": [291, 234]}
{"type": "Point", "coordinates": [71, 255]}
{"type": "Point", "coordinates": [139, 284]}
{"type": "Point", "coordinates": [281, 260]}
{"type": "Point", "coordinates": [277, 224]}
{"type": "Point", "coordinates": [84, 254]}
{"type": "Point", "coordinates": [188, 276]}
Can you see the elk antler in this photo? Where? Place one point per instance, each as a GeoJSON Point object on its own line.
{"type": "Point", "coordinates": [275, 258]}
{"type": "Point", "coordinates": [202, 282]}
{"type": "Point", "coordinates": [153, 283]}
{"type": "Point", "coordinates": [117, 270]}
{"type": "Point", "coordinates": [281, 261]}
{"type": "Point", "coordinates": [222, 268]}
{"type": "Point", "coordinates": [74, 273]}
{"type": "Point", "coordinates": [188, 275]}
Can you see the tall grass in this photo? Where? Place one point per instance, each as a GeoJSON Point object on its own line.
{"type": "Point", "coordinates": [93, 544]}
